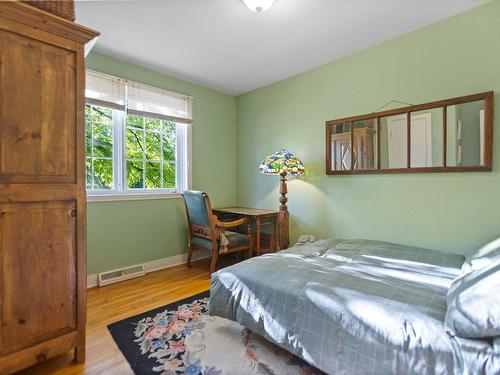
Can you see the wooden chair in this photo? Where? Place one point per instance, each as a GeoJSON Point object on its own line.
{"type": "Point", "coordinates": [207, 233]}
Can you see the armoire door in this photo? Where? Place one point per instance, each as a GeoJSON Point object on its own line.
{"type": "Point", "coordinates": [38, 117]}
{"type": "Point", "coordinates": [38, 272]}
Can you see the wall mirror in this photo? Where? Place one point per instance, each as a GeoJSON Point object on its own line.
{"type": "Point", "coordinates": [452, 135]}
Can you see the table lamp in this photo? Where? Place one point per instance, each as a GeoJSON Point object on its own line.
{"type": "Point", "coordinates": [282, 163]}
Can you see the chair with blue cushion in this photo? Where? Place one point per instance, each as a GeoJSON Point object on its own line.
{"type": "Point", "coordinates": [208, 233]}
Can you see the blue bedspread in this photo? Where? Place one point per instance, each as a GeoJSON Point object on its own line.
{"type": "Point", "coordinates": [353, 307]}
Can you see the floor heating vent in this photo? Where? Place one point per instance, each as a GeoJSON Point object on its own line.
{"type": "Point", "coordinates": [110, 277]}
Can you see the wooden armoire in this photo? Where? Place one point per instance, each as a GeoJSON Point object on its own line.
{"type": "Point", "coordinates": [42, 186]}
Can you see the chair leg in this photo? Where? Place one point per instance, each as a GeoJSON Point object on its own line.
{"type": "Point", "coordinates": [190, 255]}
{"type": "Point", "coordinates": [213, 264]}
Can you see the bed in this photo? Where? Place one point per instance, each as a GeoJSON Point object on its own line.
{"type": "Point", "coordinates": [353, 307]}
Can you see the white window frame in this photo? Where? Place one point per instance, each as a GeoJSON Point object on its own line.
{"type": "Point", "coordinates": [120, 191]}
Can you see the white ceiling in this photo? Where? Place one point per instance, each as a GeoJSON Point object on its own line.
{"type": "Point", "coordinates": [223, 45]}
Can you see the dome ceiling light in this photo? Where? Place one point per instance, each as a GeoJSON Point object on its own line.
{"type": "Point", "coordinates": [258, 6]}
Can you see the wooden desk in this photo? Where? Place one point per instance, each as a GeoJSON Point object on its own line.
{"type": "Point", "coordinates": [260, 218]}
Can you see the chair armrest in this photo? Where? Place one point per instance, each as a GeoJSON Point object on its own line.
{"type": "Point", "coordinates": [229, 224]}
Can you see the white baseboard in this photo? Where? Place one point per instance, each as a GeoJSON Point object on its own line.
{"type": "Point", "coordinates": [156, 265]}
{"type": "Point", "coordinates": [92, 281]}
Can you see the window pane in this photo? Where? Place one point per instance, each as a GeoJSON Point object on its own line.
{"type": "Point", "coordinates": [88, 113]}
{"type": "Point", "coordinates": [99, 137]}
{"type": "Point", "coordinates": [135, 178]}
{"type": "Point", "coordinates": [102, 137]}
{"type": "Point", "coordinates": [103, 174]}
{"type": "Point", "coordinates": [88, 139]}
{"type": "Point", "coordinates": [169, 127]}
{"type": "Point", "coordinates": [168, 148]}
{"type": "Point", "coordinates": [153, 146]}
{"type": "Point", "coordinates": [88, 175]}
{"type": "Point", "coordinates": [153, 124]}
{"type": "Point", "coordinates": [102, 115]}
{"type": "Point", "coordinates": [153, 176]}
{"type": "Point", "coordinates": [135, 144]}
{"type": "Point", "coordinates": [135, 121]}
{"type": "Point", "coordinates": [168, 175]}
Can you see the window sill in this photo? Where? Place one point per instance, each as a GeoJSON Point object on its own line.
{"type": "Point", "coordinates": [91, 198]}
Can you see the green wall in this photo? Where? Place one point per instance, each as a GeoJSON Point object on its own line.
{"type": "Point", "coordinates": [453, 212]}
{"type": "Point", "coordinates": [131, 232]}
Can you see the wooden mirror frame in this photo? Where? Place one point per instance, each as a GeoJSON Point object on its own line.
{"type": "Point", "coordinates": [487, 97]}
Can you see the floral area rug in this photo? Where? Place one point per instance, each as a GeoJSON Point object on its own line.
{"type": "Point", "coordinates": [181, 338]}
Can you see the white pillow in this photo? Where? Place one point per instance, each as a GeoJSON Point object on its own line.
{"type": "Point", "coordinates": [473, 304]}
{"type": "Point", "coordinates": [489, 253]}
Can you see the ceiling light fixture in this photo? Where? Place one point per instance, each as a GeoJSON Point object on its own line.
{"type": "Point", "coordinates": [259, 6]}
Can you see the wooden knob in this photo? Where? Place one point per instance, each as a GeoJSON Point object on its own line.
{"type": "Point", "coordinates": [73, 212]}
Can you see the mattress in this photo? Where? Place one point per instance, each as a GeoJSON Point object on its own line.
{"type": "Point", "coordinates": [353, 307]}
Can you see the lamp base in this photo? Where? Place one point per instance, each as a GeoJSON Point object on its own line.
{"type": "Point", "coordinates": [283, 240]}
{"type": "Point", "coordinates": [283, 236]}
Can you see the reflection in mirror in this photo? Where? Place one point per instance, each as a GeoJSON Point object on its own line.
{"type": "Point", "coordinates": [340, 138]}
{"type": "Point", "coordinates": [426, 142]}
{"type": "Point", "coordinates": [393, 142]}
{"type": "Point", "coordinates": [465, 134]}
{"type": "Point", "coordinates": [365, 144]}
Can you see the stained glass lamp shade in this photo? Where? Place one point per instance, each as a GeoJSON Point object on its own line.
{"type": "Point", "coordinates": [282, 162]}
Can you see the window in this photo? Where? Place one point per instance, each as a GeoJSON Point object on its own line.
{"type": "Point", "coordinates": [150, 153]}
{"type": "Point", "coordinates": [136, 138]}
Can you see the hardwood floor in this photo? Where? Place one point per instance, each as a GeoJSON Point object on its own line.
{"type": "Point", "coordinates": [119, 301]}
